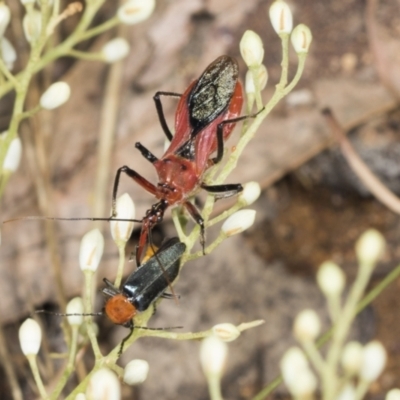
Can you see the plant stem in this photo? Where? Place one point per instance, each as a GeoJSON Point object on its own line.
{"type": "Point", "coordinates": [35, 371]}
{"type": "Point", "coordinates": [88, 309]}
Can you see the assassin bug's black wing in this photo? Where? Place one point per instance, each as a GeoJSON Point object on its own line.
{"type": "Point", "coordinates": [212, 92]}
{"type": "Point", "coordinates": [149, 281]}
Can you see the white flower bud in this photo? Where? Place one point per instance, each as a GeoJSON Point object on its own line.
{"type": "Point", "coordinates": [307, 326]}
{"type": "Point", "coordinates": [393, 394]}
{"type": "Point", "coordinates": [13, 156]}
{"type": "Point", "coordinates": [55, 95]}
{"type": "Point", "coordinates": [252, 49]}
{"type": "Point", "coordinates": [226, 332]}
{"type": "Point", "coordinates": [262, 76]}
{"type": "Point", "coordinates": [370, 247]}
{"type": "Point", "coordinates": [136, 372]}
{"type": "Point", "coordinates": [135, 11]}
{"type": "Point", "coordinates": [281, 17]}
{"type": "Point", "coordinates": [5, 16]}
{"type": "Point", "coordinates": [75, 306]}
{"type": "Point", "coordinates": [251, 192]}
{"type": "Point", "coordinates": [121, 230]}
{"type": "Point", "coordinates": [293, 361]}
{"type": "Point", "coordinates": [91, 250]}
{"type": "Point", "coordinates": [305, 384]}
{"type": "Point", "coordinates": [331, 279]}
{"type": "Point", "coordinates": [238, 222]}
{"type": "Point", "coordinates": [8, 53]}
{"type": "Point", "coordinates": [104, 384]}
{"type": "Point", "coordinates": [347, 393]}
{"type": "Point", "coordinates": [32, 24]}
{"type": "Point", "coordinates": [115, 50]}
{"type": "Point", "coordinates": [213, 353]}
{"type": "Point", "coordinates": [373, 361]}
{"type": "Point", "coordinates": [80, 396]}
{"type": "Point", "coordinates": [351, 357]}
{"type": "Point", "coordinates": [301, 38]}
{"type": "Point", "coordinates": [30, 336]}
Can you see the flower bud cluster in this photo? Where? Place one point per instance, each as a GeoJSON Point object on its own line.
{"type": "Point", "coordinates": [297, 375]}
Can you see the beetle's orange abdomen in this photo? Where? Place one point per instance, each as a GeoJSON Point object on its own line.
{"type": "Point", "coordinates": [119, 309]}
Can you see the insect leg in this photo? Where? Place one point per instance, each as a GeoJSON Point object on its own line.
{"type": "Point", "coordinates": [195, 214]}
{"type": "Point", "coordinates": [144, 233]}
{"type": "Point", "coordinates": [223, 191]}
{"type": "Point", "coordinates": [147, 154]}
{"type": "Point", "coordinates": [144, 183]}
{"type": "Point", "coordinates": [121, 347]}
{"type": "Point", "coordinates": [220, 134]}
{"type": "Point", "coordinates": [160, 111]}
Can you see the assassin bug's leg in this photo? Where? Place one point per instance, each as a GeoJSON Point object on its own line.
{"type": "Point", "coordinates": [147, 154]}
{"type": "Point", "coordinates": [195, 214]}
{"type": "Point", "coordinates": [144, 183]}
{"type": "Point", "coordinates": [220, 134]}
{"type": "Point", "coordinates": [223, 191]}
{"type": "Point", "coordinates": [121, 347]}
{"type": "Point", "coordinates": [160, 111]}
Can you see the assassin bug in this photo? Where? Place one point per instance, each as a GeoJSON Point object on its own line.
{"type": "Point", "coordinates": [142, 288]}
{"type": "Point", "coordinates": [205, 117]}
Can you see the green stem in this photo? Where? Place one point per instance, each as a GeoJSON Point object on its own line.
{"type": "Point", "coordinates": [105, 26]}
{"type": "Point", "coordinates": [314, 356]}
{"type": "Point", "coordinates": [178, 226]}
{"type": "Point", "coordinates": [11, 78]}
{"type": "Point", "coordinates": [36, 375]}
{"type": "Point", "coordinates": [254, 73]}
{"type": "Point", "coordinates": [227, 213]}
{"type": "Point", "coordinates": [88, 309]}
{"type": "Point", "coordinates": [70, 365]}
{"type": "Point", "coordinates": [366, 301]}
{"type": "Point", "coordinates": [29, 113]}
{"type": "Point", "coordinates": [341, 331]}
{"type": "Point", "coordinates": [82, 55]}
{"type": "Point", "coordinates": [76, 37]}
{"type": "Point", "coordinates": [209, 249]}
{"type": "Point", "coordinates": [214, 386]}
{"type": "Point", "coordinates": [285, 61]}
{"type": "Point", "coordinates": [362, 389]}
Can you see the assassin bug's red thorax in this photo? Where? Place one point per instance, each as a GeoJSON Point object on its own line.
{"type": "Point", "coordinates": [205, 117]}
{"type": "Point", "coordinates": [142, 288]}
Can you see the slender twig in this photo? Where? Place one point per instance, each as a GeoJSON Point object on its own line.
{"type": "Point", "coordinates": [370, 180]}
